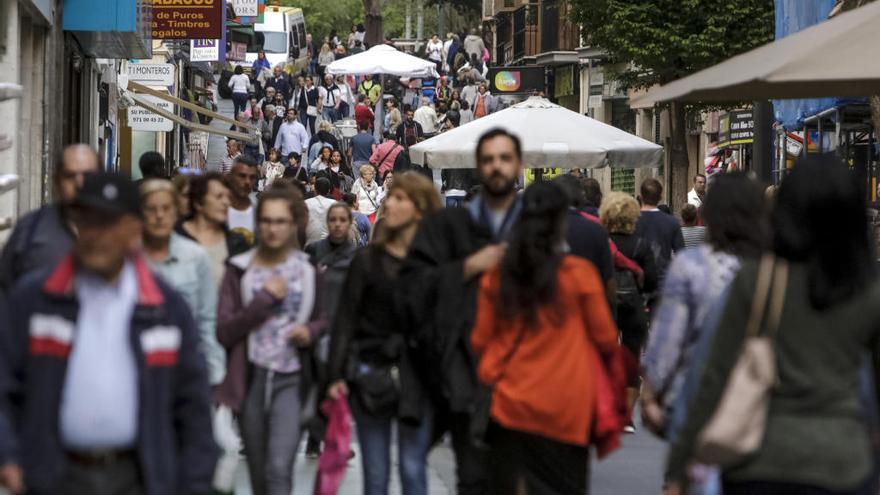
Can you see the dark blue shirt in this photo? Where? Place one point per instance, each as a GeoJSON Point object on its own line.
{"type": "Point", "coordinates": [362, 147]}
{"type": "Point", "coordinates": [663, 233]}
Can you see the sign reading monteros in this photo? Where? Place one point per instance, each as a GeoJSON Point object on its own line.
{"type": "Point", "coordinates": [188, 19]}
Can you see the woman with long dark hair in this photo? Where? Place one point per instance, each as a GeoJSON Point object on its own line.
{"type": "Point", "coordinates": [368, 351]}
{"type": "Point", "coordinates": [542, 321]}
{"type": "Point", "coordinates": [738, 225]}
{"type": "Point", "coordinates": [816, 439]}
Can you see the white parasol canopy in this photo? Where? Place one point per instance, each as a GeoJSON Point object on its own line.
{"type": "Point", "coordinates": [551, 137]}
{"type": "Point", "coordinates": [383, 59]}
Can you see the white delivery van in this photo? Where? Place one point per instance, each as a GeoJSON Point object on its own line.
{"type": "Point", "coordinates": [282, 36]}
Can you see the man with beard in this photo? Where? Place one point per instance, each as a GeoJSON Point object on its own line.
{"type": "Point", "coordinates": [448, 255]}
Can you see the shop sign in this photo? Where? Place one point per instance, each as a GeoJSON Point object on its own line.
{"type": "Point", "coordinates": [151, 74]}
{"type": "Point", "coordinates": [141, 119]}
{"type": "Point", "coordinates": [237, 51]}
{"type": "Point", "coordinates": [735, 128]}
{"type": "Point", "coordinates": [204, 50]}
{"type": "Point", "coordinates": [188, 19]}
{"type": "Point", "coordinates": [513, 80]}
{"type": "Point", "coordinates": [793, 144]}
{"type": "Point", "coordinates": [246, 7]}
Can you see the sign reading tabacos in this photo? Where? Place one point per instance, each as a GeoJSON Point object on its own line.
{"type": "Point", "coordinates": [187, 19]}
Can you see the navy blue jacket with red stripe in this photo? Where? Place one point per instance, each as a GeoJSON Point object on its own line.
{"type": "Point", "coordinates": [175, 445]}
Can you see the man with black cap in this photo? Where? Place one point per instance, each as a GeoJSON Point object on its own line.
{"type": "Point", "coordinates": [102, 387]}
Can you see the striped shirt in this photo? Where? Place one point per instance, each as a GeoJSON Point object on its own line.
{"type": "Point", "coordinates": [693, 236]}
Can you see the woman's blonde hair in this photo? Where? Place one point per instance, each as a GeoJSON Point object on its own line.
{"type": "Point", "coordinates": [364, 166]}
{"type": "Point", "coordinates": [152, 186]}
{"type": "Point", "coordinates": [619, 213]}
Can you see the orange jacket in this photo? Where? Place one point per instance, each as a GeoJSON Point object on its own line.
{"type": "Point", "coordinates": [548, 386]}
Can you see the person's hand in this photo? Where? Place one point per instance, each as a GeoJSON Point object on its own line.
{"type": "Point", "coordinates": [300, 336]}
{"type": "Point", "coordinates": [12, 478]}
{"type": "Point", "coordinates": [484, 259]}
{"type": "Point", "coordinates": [672, 488]}
{"type": "Point", "coordinates": [337, 389]}
{"type": "Point", "coordinates": [277, 288]}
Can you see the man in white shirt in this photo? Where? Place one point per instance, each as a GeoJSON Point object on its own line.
{"type": "Point", "coordinates": [329, 99]}
{"type": "Point", "coordinates": [241, 206]}
{"type": "Point", "coordinates": [427, 117]}
{"type": "Point", "coordinates": [292, 136]}
{"type": "Point", "coordinates": [231, 154]}
{"type": "Point", "coordinates": [318, 206]}
{"type": "Point", "coordinates": [696, 195]}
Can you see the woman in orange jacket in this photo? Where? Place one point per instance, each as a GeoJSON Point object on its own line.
{"type": "Point", "coordinates": [542, 316]}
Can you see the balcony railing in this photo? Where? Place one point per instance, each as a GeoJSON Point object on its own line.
{"type": "Point", "coordinates": [533, 28]}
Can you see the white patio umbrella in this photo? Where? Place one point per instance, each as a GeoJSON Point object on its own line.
{"type": "Point", "coordinates": [383, 59]}
{"type": "Point", "coordinates": [551, 136]}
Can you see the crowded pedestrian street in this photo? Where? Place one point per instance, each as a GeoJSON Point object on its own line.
{"type": "Point", "coordinates": [397, 247]}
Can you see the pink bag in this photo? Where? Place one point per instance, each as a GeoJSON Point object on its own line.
{"type": "Point", "coordinates": [337, 447]}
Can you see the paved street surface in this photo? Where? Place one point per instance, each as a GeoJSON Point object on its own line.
{"type": "Point", "coordinates": [216, 142]}
{"type": "Point", "coordinates": [635, 469]}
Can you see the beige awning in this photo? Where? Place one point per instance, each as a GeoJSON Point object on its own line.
{"type": "Point", "coordinates": [834, 58]}
{"type": "Point", "coordinates": [143, 102]}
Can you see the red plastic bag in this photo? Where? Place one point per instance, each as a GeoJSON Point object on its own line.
{"type": "Point", "coordinates": [337, 447]}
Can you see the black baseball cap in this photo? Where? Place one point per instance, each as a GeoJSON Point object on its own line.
{"type": "Point", "coordinates": [110, 193]}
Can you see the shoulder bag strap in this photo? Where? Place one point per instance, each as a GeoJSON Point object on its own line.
{"type": "Point", "coordinates": [762, 291]}
{"type": "Point", "coordinates": [777, 297]}
{"type": "Point", "coordinates": [387, 154]}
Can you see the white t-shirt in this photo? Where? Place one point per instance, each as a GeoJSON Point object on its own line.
{"type": "Point", "coordinates": [434, 50]}
{"type": "Point", "coordinates": [316, 229]}
{"type": "Point", "coordinates": [329, 97]}
{"type": "Point", "coordinates": [242, 221]}
{"type": "Point", "coordinates": [239, 83]}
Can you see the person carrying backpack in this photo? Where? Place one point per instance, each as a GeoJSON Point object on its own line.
{"type": "Point", "coordinates": [619, 213]}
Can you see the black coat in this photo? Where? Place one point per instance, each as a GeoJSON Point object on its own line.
{"type": "Point", "coordinates": [439, 305]}
{"type": "Point", "coordinates": [367, 329]}
{"type": "Point", "coordinates": [235, 242]}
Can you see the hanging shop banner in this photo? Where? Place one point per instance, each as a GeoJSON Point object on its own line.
{"type": "Point", "coordinates": [151, 74]}
{"type": "Point", "coordinates": [188, 19]}
{"type": "Point", "coordinates": [246, 7]}
{"type": "Point", "coordinates": [204, 50]}
{"type": "Point", "coordinates": [735, 128]}
{"type": "Point", "coordinates": [141, 119]}
{"type": "Point", "coordinates": [249, 12]}
{"type": "Point", "coordinates": [515, 80]}
{"type": "Point", "coordinates": [237, 51]}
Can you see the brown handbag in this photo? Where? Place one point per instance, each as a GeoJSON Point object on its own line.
{"type": "Point", "coordinates": [737, 426]}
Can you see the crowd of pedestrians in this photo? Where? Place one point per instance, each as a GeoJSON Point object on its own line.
{"type": "Point", "coordinates": [157, 336]}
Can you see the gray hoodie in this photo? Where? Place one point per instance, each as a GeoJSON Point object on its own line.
{"type": "Point", "coordinates": [473, 44]}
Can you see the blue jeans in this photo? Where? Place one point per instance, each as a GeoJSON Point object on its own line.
{"type": "Point", "coordinates": [374, 436]}
{"type": "Point", "coordinates": [329, 114]}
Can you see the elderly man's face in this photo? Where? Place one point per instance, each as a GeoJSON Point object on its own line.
{"type": "Point", "coordinates": [270, 92]}
{"type": "Point", "coordinates": [76, 161]}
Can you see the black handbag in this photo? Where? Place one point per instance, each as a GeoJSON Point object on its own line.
{"type": "Point", "coordinates": [378, 389]}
